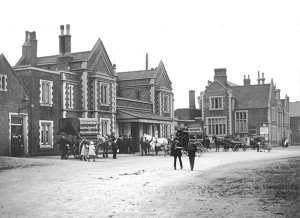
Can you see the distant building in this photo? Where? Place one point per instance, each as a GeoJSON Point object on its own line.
{"type": "Point", "coordinates": [14, 112]}
{"type": "Point", "coordinates": [189, 117]}
{"type": "Point", "coordinates": [145, 103]}
{"type": "Point", "coordinates": [295, 122]}
{"type": "Point", "coordinates": [229, 109]}
{"type": "Point", "coordinates": [67, 85]}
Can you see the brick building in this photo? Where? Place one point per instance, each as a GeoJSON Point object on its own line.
{"type": "Point", "coordinates": [229, 109]}
{"type": "Point", "coordinates": [14, 112]}
{"type": "Point", "coordinates": [67, 85]}
{"type": "Point", "coordinates": [145, 103]}
{"type": "Point", "coordinates": [189, 117]}
{"type": "Point", "coordinates": [295, 122]}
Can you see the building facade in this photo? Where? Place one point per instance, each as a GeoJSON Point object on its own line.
{"type": "Point", "coordinates": [14, 112]}
{"type": "Point", "coordinates": [295, 122]}
{"type": "Point", "coordinates": [67, 85]}
{"type": "Point", "coordinates": [247, 110]}
{"type": "Point", "coordinates": [145, 103]}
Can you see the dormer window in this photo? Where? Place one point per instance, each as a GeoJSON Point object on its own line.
{"type": "Point", "coordinates": [216, 103]}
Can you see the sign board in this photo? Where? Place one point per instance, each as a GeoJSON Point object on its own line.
{"type": "Point", "coordinates": [89, 127]}
{"type": "Point", "coordinates": [264, 130]}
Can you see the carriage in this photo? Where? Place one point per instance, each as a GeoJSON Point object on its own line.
{"type": "Point", "coordinates": [232, 142]}
{"type": "Point", "coordinates": [76, 131]}
{"type": "Point", "coordinates": [195, 136]}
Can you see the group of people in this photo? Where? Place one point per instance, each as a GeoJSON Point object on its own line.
{"type": "Point", "coordinates": [88, 148]}
{"type": "Point", "coordinates": [126, 144]}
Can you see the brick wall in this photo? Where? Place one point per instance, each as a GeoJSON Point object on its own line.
{"type": "Point", "coordinates": [10, 101]}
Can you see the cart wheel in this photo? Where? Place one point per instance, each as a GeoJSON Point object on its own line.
{"type": "Point", "coordinates": [244, 147]}
{"type": "Point", "coordinates": [226, 149]}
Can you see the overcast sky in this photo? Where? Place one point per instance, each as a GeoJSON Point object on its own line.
{"type": "Point", "coordinates": [192, 38]}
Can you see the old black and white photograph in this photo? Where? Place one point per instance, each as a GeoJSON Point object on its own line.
{"type": "Point", "coordinates": [136, 108]}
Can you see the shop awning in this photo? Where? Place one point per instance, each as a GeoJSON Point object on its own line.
{"type": "Point", "coordinates": [141, 117]}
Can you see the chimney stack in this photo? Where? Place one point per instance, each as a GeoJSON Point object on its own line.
{"type": "Point", "coordinates": [64, 57]}
{"type": "Point", "coordinates": [277, 94]}
{"type": "Point", "coordinates": [247, 82]}
{"type": "Point", "coordinates": [29, 50]}
{"type": "Point", "coordinates": [192, 104]}
{"type": "Point", "coordinates": [146, 61]}
{"type": "Point", "coordinates": [263, 78]}
{"type": "Point", "coordinates": [220, 75]}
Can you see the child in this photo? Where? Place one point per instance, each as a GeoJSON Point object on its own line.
{"type": "Point", "coordinates": [92, 151]}
{"type": "Point", "coordinates": [84, 150]}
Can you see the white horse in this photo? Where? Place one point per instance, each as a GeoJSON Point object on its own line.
{"type": "Point", "coordinates": [156, 143]}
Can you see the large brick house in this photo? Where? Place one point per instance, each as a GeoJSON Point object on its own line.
{"type": "Point", "coordinates": [229, 109]}
{"type": "Point", "coordinates": [14, 113]}
{"type": "Point", "coordinates": [67, 85]}
{"type": "Point", "coordinates": [145, 103]}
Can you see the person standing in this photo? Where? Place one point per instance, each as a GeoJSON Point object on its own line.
{"type": "Point", "coordinates": [116, 146]}
{"type": "Point", "coordinates": [84, 149]}
{"type": "Point", "coordinates": [176, 147]}
{"type": "Point", "coordinates": [191, 149]}
{"type": "Point", "coordinates": [131, 144]}
{"type": "Point", "coordinates": [63, 147]}
{"type": "Point", "coordinates": [92, 153]}
{"type": "Point", "coordinates": [126, 144]}
{"type": "Point", "coordinates": [217, 145]}
{"type": "Point", "coordinates": [143, 146]}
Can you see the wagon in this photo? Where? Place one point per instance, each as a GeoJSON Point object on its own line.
{"type": "Point", "coordinates": [76, 131]}
{"type": "Point", "coordinates": [231, 142]}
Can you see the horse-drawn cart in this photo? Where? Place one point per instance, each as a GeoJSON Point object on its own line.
{"type": "Point", "coordinates": [77, 130]}
{"type": "Point", "coordinates": [231, 142]}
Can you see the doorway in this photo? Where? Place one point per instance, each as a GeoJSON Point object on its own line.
{"type": "Point", "coordinates": [135, 135]}
{"type": "Point", "coordinates": [17, 137]}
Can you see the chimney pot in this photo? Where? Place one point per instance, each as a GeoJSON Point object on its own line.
{"type": "Point", "coordinates": [62, 30]}
{"type": "Point", "coordinates": [68, 29]}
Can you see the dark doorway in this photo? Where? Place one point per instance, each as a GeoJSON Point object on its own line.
{"type": "Point", "coordinates": [17, 139]}
{"type": "Point", "coordinates": [135, 135]}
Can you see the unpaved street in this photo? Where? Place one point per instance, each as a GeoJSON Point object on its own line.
{"type": "Point", "coordinates": [224, 184]}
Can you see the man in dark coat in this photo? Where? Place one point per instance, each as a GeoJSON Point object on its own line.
{"type": "Point", "coordinates": [143, 146]}
{"type": "Point", "coordinates": [191, 149]}
{"type": "Point", "coordinates": [63, 146]}
{"type": "Point", "coordinates": [126, 144]}
{"type": "Point", "coordinates": [176, 148]}
{"type": "Point", "coordinates": [131, 144]}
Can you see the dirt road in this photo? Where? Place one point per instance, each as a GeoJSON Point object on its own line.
{"type": "Point", "coordinates": [223, 184]}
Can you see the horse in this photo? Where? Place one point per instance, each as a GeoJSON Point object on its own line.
{"type": "Point", "coordinates": [160, 143]}
{"type": "Point", "coordinates": [102, 142]}
{"type": "Point", "coordinates": [147, 139]}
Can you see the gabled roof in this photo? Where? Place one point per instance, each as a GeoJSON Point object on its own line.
{"type": "Point", "coordinates": [83, 56]}
{"type": "Point", "coordinates": [294, 109]}
{"type": "Point", "coordinates": [141, 74]}
{"type": "Point", "coordinates": [252, 96]}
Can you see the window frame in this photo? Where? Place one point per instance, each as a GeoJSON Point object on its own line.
{"type": "Point", "coordinates": [213, 126]}
{"type": "Point", "coordinates": [166, 103]}
{"type": "Point", "coordinates": [239, 122]}
{"type": "Point", "coordinates": [106, 85]}
{"type": "Point", "coordinates": [48, 95]}
{"type": "Point", "coordinates": [70, 96]}
{"type": "Point", "coordinates": [3, 82]}
{"type": "Point", "coordinates": [212, 103]}
{"type": "Point", "coordinates": [102, 121]}
{"type": "Point", "coordinates": [46, 140]}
